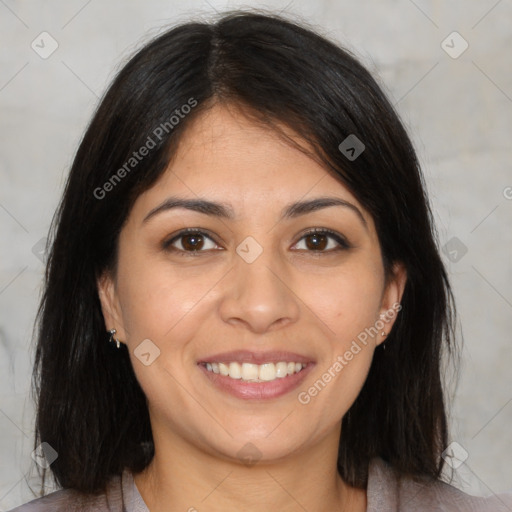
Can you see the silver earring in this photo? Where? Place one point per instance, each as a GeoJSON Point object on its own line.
{"type": "Point", "coordinates": [383, 334]}
{"type": "Point", "coordinates": [112, 332]}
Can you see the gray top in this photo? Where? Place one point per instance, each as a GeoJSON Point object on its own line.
{"type": "Point", "coordinates": [385, 493]}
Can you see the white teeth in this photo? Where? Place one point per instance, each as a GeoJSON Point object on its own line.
{"type": "Point", "coordinates": [235, 371]}
{"type": "Point", "coordinates": [281, 370]}
{"type": "Point", "coordinates": [267, 371]}
{"type": "Point", "coordinates": [250, 371]}
{"type": "Point", "coordinates": [255, 373]}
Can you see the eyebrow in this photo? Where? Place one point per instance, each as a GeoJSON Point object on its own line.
{"type": "Point", "coordinates": [225, 211]}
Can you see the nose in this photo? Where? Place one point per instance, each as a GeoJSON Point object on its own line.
{"type": "Point", "coordinates": [259, 295]}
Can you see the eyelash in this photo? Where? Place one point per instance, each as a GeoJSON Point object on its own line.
{"type": "Point", "coordinates": [167, 245]}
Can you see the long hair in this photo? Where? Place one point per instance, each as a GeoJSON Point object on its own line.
{"type": "Point", "coordinates": [90, 407]}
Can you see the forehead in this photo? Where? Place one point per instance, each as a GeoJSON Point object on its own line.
{"type": "Point", "coordinates": [225, 156]}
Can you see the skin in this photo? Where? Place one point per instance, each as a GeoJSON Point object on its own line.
{"type": "Point", "coordinates": [292, 297]}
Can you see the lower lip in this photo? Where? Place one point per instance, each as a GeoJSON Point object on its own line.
{"type": "Point", "coordinates": [257, 390]}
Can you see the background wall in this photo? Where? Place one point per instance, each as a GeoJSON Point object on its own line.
{"type": "Point", "coordinates": [456, 102]}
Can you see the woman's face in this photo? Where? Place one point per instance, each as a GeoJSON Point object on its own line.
{"type": "Point", "coordinates": [250, 277]}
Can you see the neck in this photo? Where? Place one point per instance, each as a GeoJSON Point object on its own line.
{"type": "Point", "coordinates": [183, 477]}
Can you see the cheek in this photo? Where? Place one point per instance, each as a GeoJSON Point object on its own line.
{"type": "Point", "coordinates": [349, 379]}
{"type": "Point", "coordinates": [157, 297]}
{"type": "Point", "coordinates": [337, 381]}
{"type": "Point", "coordinates": [346, 301]}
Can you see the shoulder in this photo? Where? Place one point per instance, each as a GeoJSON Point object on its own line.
{"type": "Point", "coordinates": [69, 500]}
{"type": "Point", "coordinates": [57, 501]}
{"type": "Point", "coordinates": [388, 491]}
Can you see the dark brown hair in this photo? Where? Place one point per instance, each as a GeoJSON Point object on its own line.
{"type": "Point", "coordinates": [90, 407]}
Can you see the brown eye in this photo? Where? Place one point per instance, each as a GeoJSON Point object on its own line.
{"type": "Point", "coordinates": [323, 241]}
{"type": "Point", "coordinates": [190, 241]}
{"type": "Point", "coordinates": [316, 241]}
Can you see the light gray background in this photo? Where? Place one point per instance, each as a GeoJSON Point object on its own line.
{"type": "Point", "coordinates": [458, 111]}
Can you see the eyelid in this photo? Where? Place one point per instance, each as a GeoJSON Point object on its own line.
{"type": "Point", "coordinates": [340, 240]}
{"type": "Point", "coordinates": [167, 243]}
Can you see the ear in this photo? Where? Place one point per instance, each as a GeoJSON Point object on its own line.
{"type": "Point", "coordinates": [391, 298]}
{"type": "Point", "coordinates": [110, 306]}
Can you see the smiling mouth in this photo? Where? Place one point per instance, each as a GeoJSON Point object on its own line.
{"type": "Point", "coordinates": [250, 372]}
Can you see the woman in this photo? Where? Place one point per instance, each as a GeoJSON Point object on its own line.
{"type": "Point", "coordinates": [245, 308]}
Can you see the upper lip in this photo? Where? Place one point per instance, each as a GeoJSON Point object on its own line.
{"type": "Point", "coordinates": [248, 356]}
